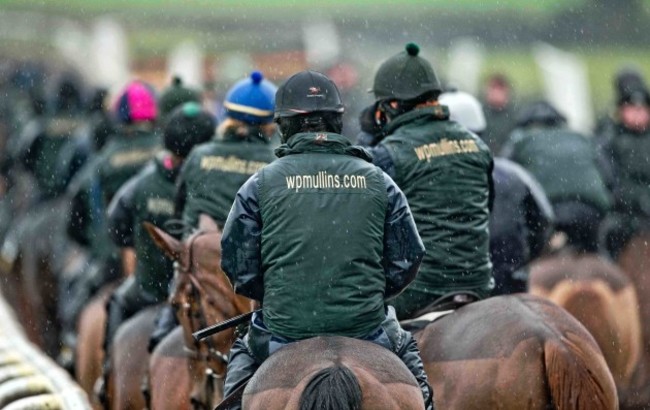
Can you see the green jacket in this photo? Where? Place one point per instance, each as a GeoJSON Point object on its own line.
{"type": "Point", "coordinates": [212, 174]}
{"type": "Point", "coordinates": [446, 174]}
{"type": "Point", "coordinates": [122, 157]}
{"type": "Point", "coordinates": [627, 154]}
{"type": "Point", "coordinates": [146, 197]}
{"type": "Point", "coordinates": [322, 237]}
{"type": "Point", "coordinates": [565, 164]}
{"type": "Point", "coordinates": [94, 186]}
{"type": "Point", "coordinates": [43, 145]}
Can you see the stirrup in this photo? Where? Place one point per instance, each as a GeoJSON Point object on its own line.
{"type": "Point", "coordinates": [99, 390]}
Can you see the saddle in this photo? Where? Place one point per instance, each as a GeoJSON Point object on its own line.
{"type": "Point", "coordinates": [439, 308]}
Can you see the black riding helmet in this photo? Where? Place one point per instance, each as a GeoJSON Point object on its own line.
{"type": "Point", "coordinates": [308, 101]}
{"type": "Point", "coordinates": [405, 76]}
{"type": "Point", "coordinates": [188, 125]}
{"type": "Point", "coordinates": [307, 92]}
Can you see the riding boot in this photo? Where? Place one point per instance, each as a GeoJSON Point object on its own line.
{"type": "Point", "coordinates": [115, 316]}
{"type": "Point", "coordinates": [410, 355]}
{"type": "Point", "coordinates": [401, 342]}
{"type": "Point", "coordinates": [165, 323]}
{"type": "Point", "coordinates": [241, 367]}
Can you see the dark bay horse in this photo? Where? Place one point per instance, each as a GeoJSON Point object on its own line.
{"type": "Point", "coordinates": [203, 296]}
{"type": "Point", "coordinates": [333, 373]}
{"type": "Point", "coordinates": [635, 262]}
{"type": "Point", "coordinates": [603, 299]}
{"type": "Point", "coordinates": [515, 352]}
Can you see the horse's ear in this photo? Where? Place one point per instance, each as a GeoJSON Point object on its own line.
{"type": "Point", "coordinates": [170, 245]}
{"type": "Point", "coordinates": [206, 223]}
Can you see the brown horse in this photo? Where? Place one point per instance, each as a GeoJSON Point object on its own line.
{"type": "Point", "coordinates": [602, 298]}
{"type": "Point", "coordinates": [203, 296]}
{"type": "Point", "coordinates": [169, 375]}
{"type": "Point", "coordinates": [130, 361]}
{"type": "Point", "coordinates": [635, 261]}
{"type": "Point", "coordinates": [41, 253]}
{"type": "Point", "coordinates": [515, 352]}
{"type": "Point", "coordinates": [89, 351]}
{"type": "Point", "coordinates": [333, 373]}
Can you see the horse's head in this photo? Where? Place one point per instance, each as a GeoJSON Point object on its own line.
{"type": "Point", "coordinates": [202, 296]}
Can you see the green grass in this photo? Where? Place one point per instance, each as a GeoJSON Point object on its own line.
{"type": "Point", "coordinates": [602, 64]}
{"type": "Point", "coordinates": [276, 9]}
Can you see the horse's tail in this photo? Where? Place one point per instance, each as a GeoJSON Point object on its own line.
{"type": "Point", "coordinates": [333, 388]}
{"type": "Point", "coordinates": [578, 378]}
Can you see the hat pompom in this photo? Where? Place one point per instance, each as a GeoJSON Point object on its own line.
{"type": "Point", "coordinates": [257, 77]}
{"type": "Point", "coordinates": [177, 81]}
{"type": "Point", "coordinates": [412, 49]}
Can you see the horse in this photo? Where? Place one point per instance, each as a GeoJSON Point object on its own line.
{"type": "Point", "coordinates": [634, 259]}
{"type": "Point", "coordinates": [513, 352]}
{"type": "Point", "coordinates": [125, 379]}
{"type": "Point", "coordinates": [89, 350]}
{"type": "Point", "coordinates": [333, 373]}
{"type": "Point", "coordinates": [203, 296]}
{"type": "Point", "coordinates": [169, 358]}
{"type": "Point", "coordinates": [602, 298]}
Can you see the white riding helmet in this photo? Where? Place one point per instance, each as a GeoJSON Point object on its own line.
{"type": "Point", "coordinates": [465, 109]}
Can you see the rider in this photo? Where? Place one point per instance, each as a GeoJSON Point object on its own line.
{"type": "Point", "coordinates": [176, 95]}
{"type": "Point", "coordinates": [42, 144]}
{"type": "Point", "coordinates": [214, 171]}
{"type": "Point", "coordinates": [567, 166]}
{"type": "Point", "coordinates": [499, 111]}
{"type": "Point", "coordinates": [627, 147]}
{"type": "Point", "coordinates": [149, 196]}
{"type": "Point", "coordinates": [91, 190]}
{"type": "Point", "coordinates": [521, 221]}
{"type": "Point", "coordinates": [321, 237]}
{"type": "Point", "coordinates": [445, 172]}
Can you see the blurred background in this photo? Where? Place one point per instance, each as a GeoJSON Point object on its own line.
{"type": "Point", "coordinates": [565, 50]}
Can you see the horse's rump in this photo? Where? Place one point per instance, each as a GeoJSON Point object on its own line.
{"type": "Point", "coordinates": [602, 298]}
{"type": "Point", "coordinates": [333, 363]}
{"type": "Point", "coordinates": [513, 352]}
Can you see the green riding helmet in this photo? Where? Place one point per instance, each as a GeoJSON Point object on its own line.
{"type": "Point", "coordinates": [405, 76]}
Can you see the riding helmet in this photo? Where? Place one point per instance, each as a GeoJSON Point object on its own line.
{"type": "Point", "coordinates": [175, 95]}
{"type": "Point", "coordinates": [136, 103]}
{"type": "Point", "coordinates": [187, 126]}
{"type": "Point", "coordinates": [307, 92]}
{"type": "Point", "coordinates": [465, 109]}
{"type": "Point", "coordinates": [405, 76]}
{"type": "Point", "coordinates": [251, 100]}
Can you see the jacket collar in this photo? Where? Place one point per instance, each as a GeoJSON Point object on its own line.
{"type": "Point", "coordinates": [253, 136]}
{"type": "Point", "coordinates": [165, 167]}
{"type": "Point", "coordinates": [434, 113]}
{"type": "Point", "coordinates": [324, 142]}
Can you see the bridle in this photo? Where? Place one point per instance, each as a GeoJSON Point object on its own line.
{"type": "Point", "coordinates": [206, 351]}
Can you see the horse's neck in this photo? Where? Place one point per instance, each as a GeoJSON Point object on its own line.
{"type": "Point", "coordinates": [218, 299]}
